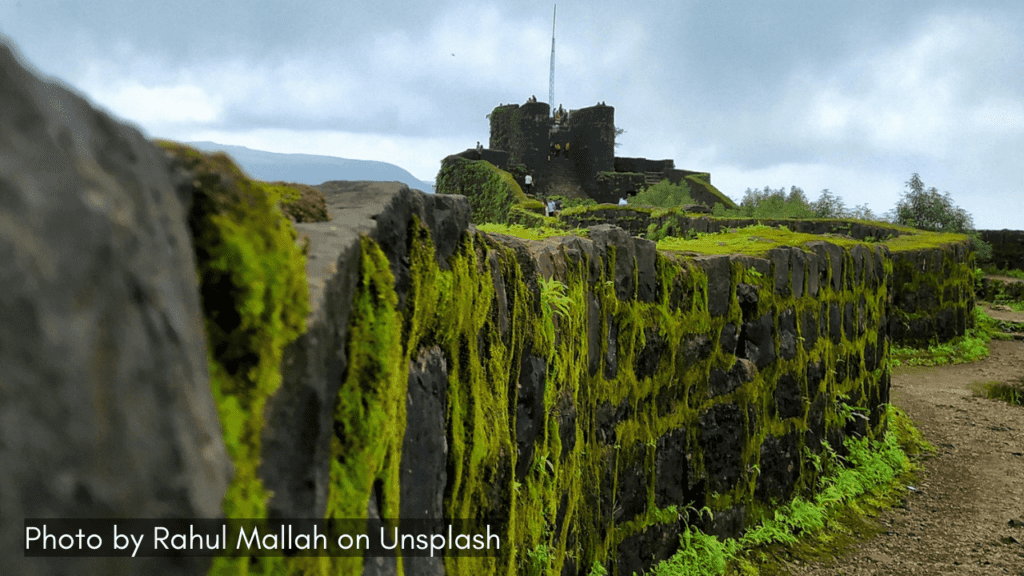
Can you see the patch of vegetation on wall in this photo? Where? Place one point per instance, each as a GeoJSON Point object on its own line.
{"type": "Point", "coordinates": [598, 403]}
{"type": "Point", "coordinates": [252, 280]}
{"type": "Point", "coordinates": [494, 195]}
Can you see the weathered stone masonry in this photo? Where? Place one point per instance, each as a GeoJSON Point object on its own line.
{"type": "Point", "coordinates": [669, 381]}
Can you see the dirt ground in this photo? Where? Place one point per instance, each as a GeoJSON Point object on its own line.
{"type": "Point", "coordinates": [966, 513]}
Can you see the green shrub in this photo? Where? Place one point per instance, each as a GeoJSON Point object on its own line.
{"type": "Point", "coordinates": [491, 192]}
{"type": "Point", "coordinates": [663, 195]}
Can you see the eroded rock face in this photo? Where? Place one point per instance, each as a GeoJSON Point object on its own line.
{"type": "Point", "coordinates": [105, 403]}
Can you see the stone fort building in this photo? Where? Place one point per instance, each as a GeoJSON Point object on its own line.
{"type": "Point", "coordinates": [572, 153]}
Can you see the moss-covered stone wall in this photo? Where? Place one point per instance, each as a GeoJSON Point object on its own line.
{"type": "Point", "coordinates": [933, 293]}
{"type": "Point", "coordinates": [933, 282]}
{"type": "Point", "coordinates": [1000, 290]}
{"type": "Point", "coordinates": [592, 392]}
{"type": "Point", "coordinates": [1007, 247]}
{"type": "Point", "coordinates": [611, 186]}
{"type": "Point", "coordinates": [587, 395]}
{"type": "Point", "coordinates": [641, 220]}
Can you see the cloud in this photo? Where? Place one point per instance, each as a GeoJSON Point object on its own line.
{"type": "Point", "coordinates": [919, 97]}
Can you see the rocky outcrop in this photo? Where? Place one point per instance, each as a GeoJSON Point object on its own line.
{"type": "Point", "coordinates": [105, 402]}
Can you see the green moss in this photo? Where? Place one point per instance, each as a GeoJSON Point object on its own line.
{"type": "Point", "coordinates": [702, 183]}
{"type": "Point", "coordinates": [873, 477]}
{"type": "Point", "coordinates": [520, 231]}
{"type": "Point", "coordinates": [491, 191]}
{"type": "Point", "coordinates": [255, 300]}
{"type": "Point", "coordinates": [920, 239]}
{"type": "Point", "coordinates": [755, 240]}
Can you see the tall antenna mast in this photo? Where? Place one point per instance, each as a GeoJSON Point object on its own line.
{"type": "Point", "coordinates": [551, 81]}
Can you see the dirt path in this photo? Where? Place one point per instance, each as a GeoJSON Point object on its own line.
{"type": "Point", "coordinates": [966, 516]}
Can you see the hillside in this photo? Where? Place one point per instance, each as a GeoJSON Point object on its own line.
{"type": "Point", "coordinates": [312, 169]}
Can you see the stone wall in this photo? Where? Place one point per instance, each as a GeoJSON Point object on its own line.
{"type": "Point", "coordinates": [933, 293]}
{"type": "Point", "coordinates": [611, 186]}
{"type": "Point", "coordinates": [1000, 290]}
{"type": "Point", "coordinates": [643, 220]}
{"type": "Point", "coordinates": [105, 402]}
{"type": "Point", "coordinates": [1007, 247]}
{"type": "Point", "coordinates": [933, 286]}
{"type": "Point", "coordinates": [589, 385]}
{"type": "Point", "coordinates": [642, 165]}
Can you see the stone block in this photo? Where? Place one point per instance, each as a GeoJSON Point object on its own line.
{"type": "Point", "coordinates": [757, 342]}
{"type": "Point", "coordinates": [673, 471]}
{"type": "Point", "coordinates": [780, 468]}
{"type": "Point", "coordinates": [655, 347]}
{"type": "Point", "coordinates": [729, 338]}
{"type": "Point", "coordinates": [607, 238]}
{"type": "Point", "coordinates": [530, 417]}
{"type": "Point", "coordinates": [789, 399]}
{"type": "Point", "coordinates": [106, 407]}
{"type": "Point", "coordinates": [721, 440]}
{"type": "Point", "coordinates": [719, 288]}
{"type": "Point", "coordinates": [747, 296]}
{"type": "Point", "coordinates": [723, 382]}
{"type": "Point", "coordinates": [425, 446]}
{"type": "Point", "coordinates": [787, 334]}
{"type": "Point", "coordinates": [809, 328]}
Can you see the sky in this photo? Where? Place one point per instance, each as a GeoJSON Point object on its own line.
{"type": "Point", "coordinates": [850, 96]}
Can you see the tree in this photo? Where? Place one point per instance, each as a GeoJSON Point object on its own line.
{"type": "Point", "coordinates": [828, 205]}
{"type": "Point", "coordinates": [863, 212]}
{"type": "Point", "coordinates": [929, 210]}
{"type": "Point", "coordinates": [797, 196]}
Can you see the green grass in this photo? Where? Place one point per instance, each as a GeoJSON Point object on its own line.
{"type": "Point", "coordinates": [873, 477]}
{"type": "Point", "coordinates": [1012, 272]}
{"type": "Point", "coordinates": [970, 347]}
{"type": "Point", "coordinates": [520, 231]}
{"type": "Point", "coordinates": [755, 240]}
{"type": "Point", "coordinates": [1012, 394]}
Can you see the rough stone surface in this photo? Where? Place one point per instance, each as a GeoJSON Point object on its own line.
{"type": "Point", "coordinates": [747, 296]}
{"type": "Point", "coordinates": [606, 236]}
{"type": "Point", "coordinates": [723, 382]}
{"type": "Point", "coordinates": [638, 553]}
{"type": "Point", "coordinates": [729, 338]}
{"type": "Point", "coordinates": [780, 466]}
{"type": "Point", "coordinates": [726, 523]}
{"type": "Point", "coordinates": [647, 360]}
{"type": "Point", "coordinates": [719, 283]}
{"type": "Point", "coordinates": [787, 334]}
{"type": "Point", "coordinates": [673, 471]}
{"type": "Point", "coordinates": [789, 400]}
{"type": "Point", "coordinates": [721, 438]}
{"type": "Point", "coordinates": [105, 403]}
{"type": "Point", "coordinates": [529, 410]}
{"type": "Point", "coordinates": [756, 341]}
{"type": "Point", "coordinates": [425, 446]}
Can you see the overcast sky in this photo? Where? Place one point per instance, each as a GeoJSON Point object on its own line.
{"type": "Point", "coordinates": [849, 96]}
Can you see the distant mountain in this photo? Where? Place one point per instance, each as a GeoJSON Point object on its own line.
{"type": "Point", "coordinates": [310, 168]}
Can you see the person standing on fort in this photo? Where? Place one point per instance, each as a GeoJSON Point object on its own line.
{"type": "Point", "coordinates": [529, 183]}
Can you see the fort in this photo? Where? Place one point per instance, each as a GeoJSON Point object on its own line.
{"type": "Point", "coordinates": [177, 342]}
{"type": "Point", "coordinates": [571, 153]}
